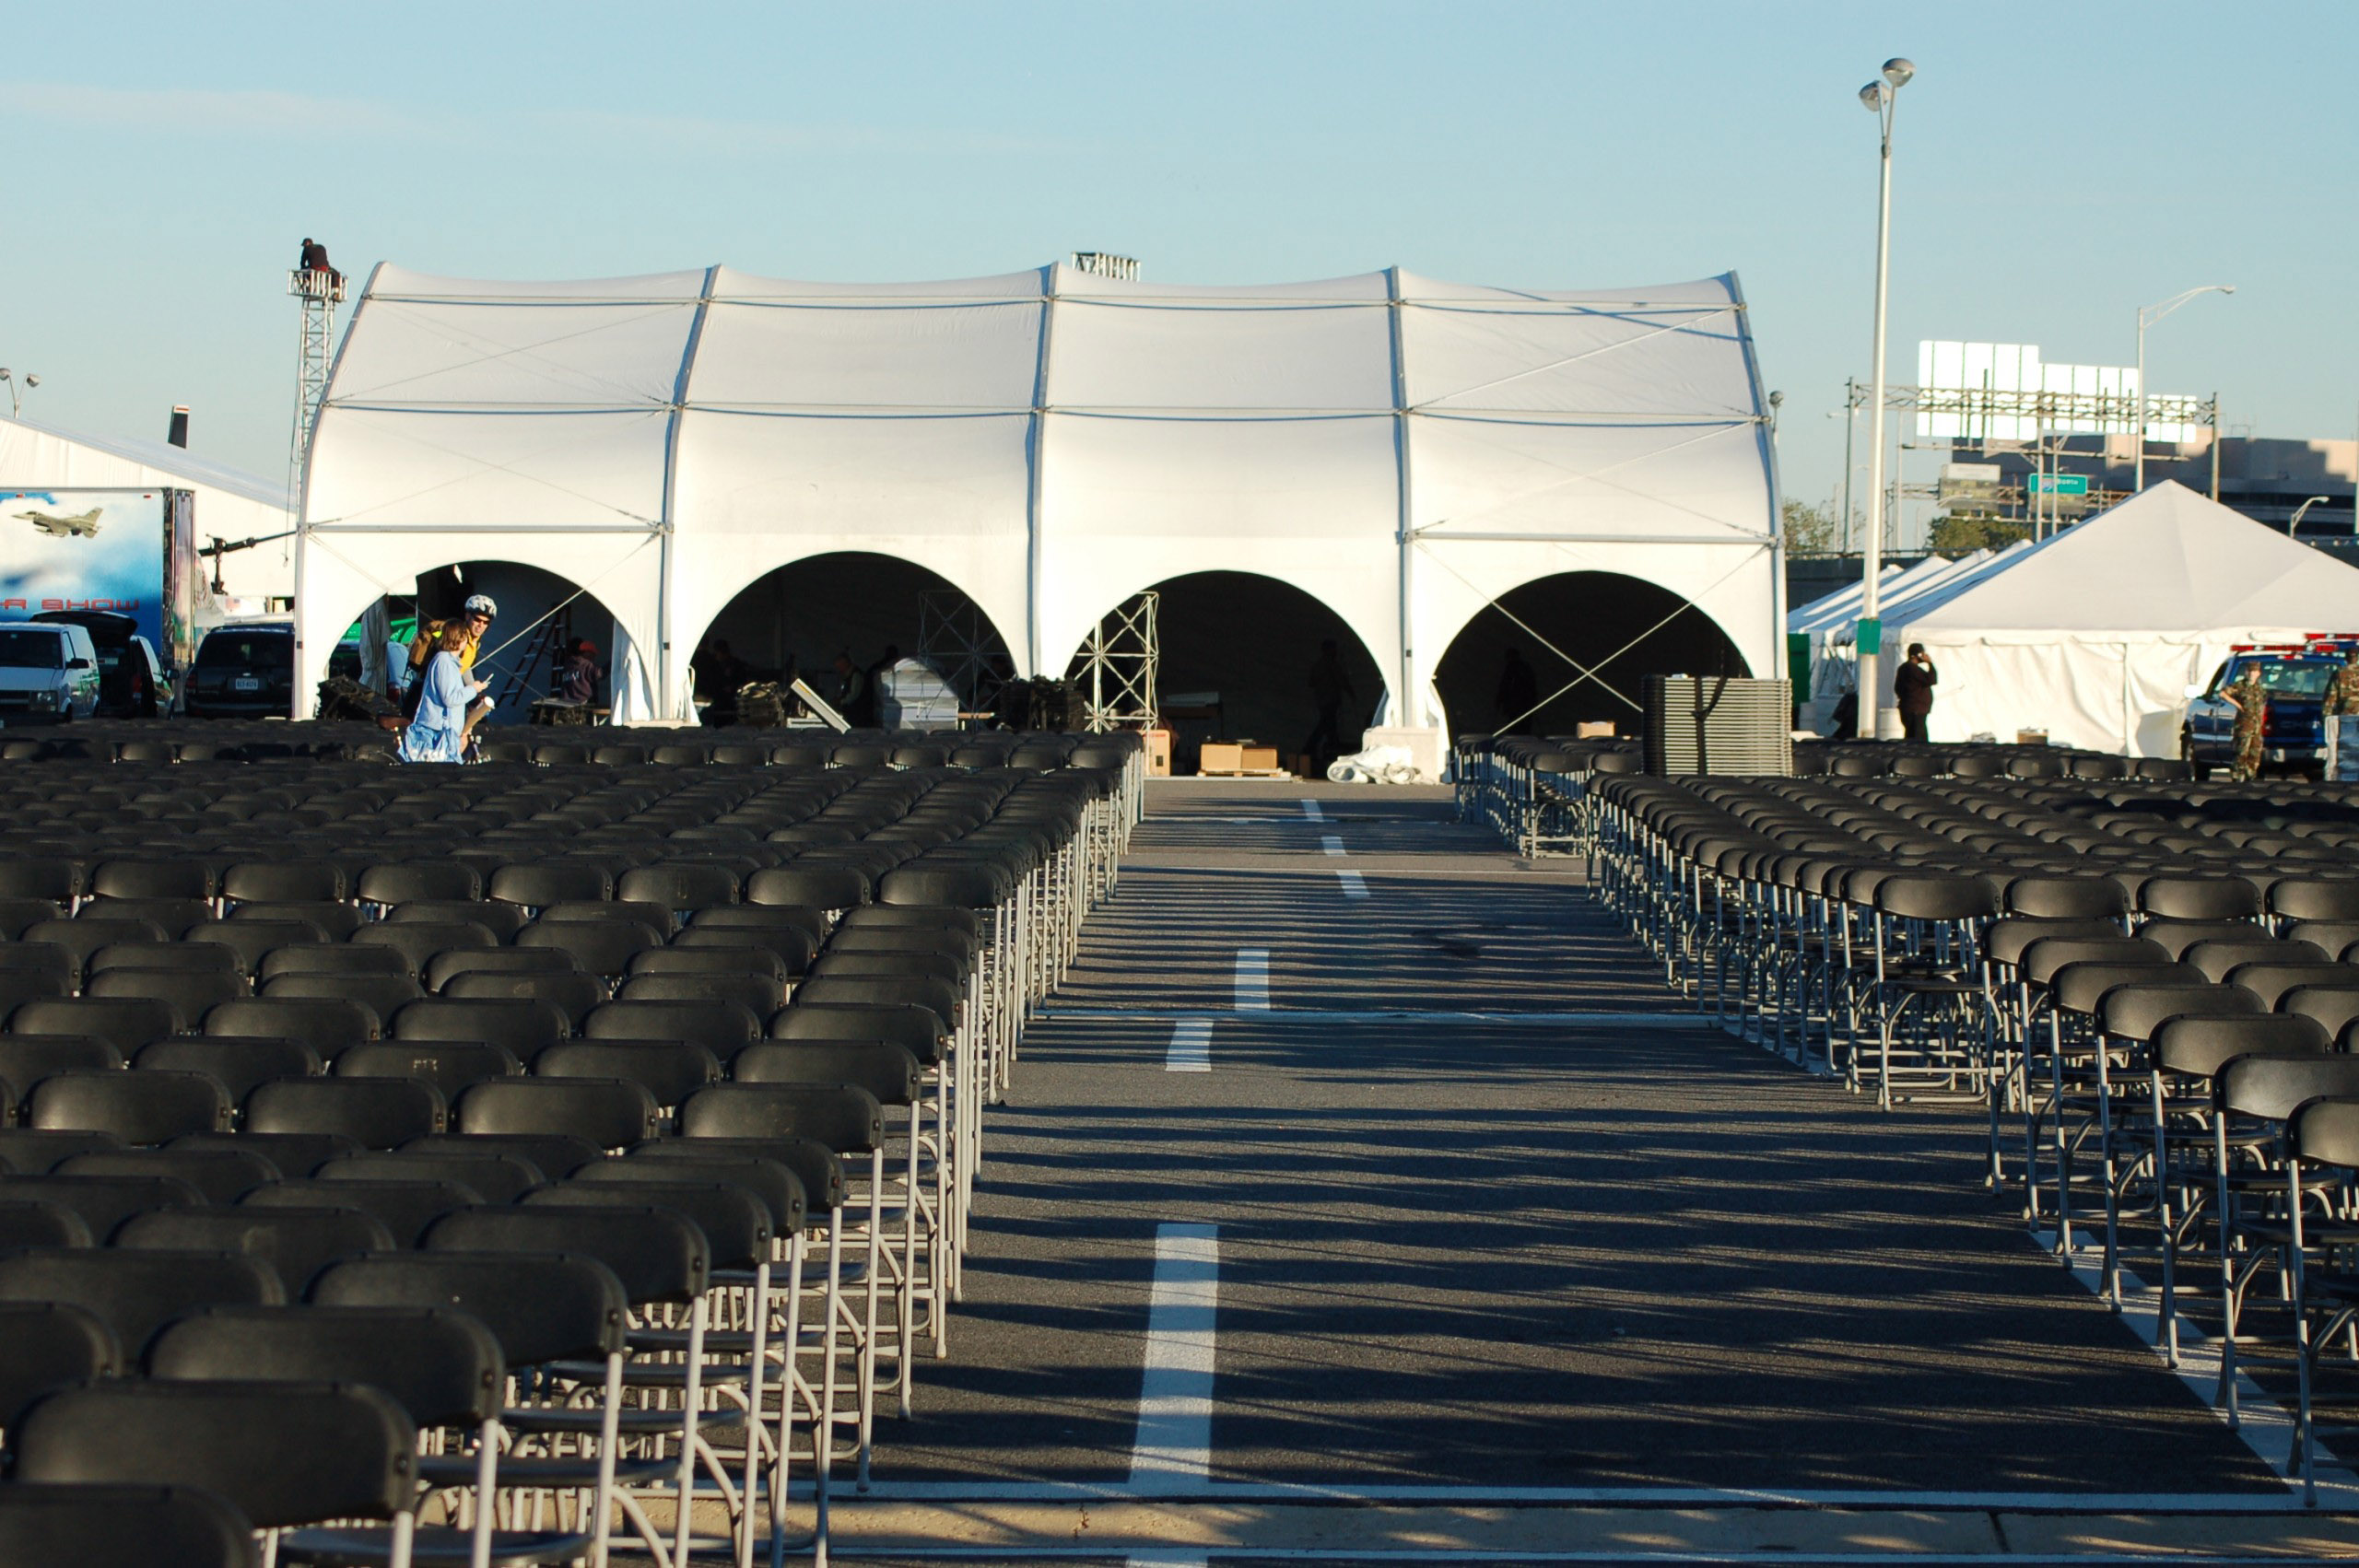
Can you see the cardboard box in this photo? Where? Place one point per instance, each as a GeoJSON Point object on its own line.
{"type": "Point", "coordinates": [1259, 759]}
{"type": "Point", "coordinates": [1158, 753]}
{"type": "Point", "coordinates": [2031, 737]}
{"type": "Point", "coordinates": [1220, 756]}
{"type": "Point", "coordinates": [1593, 730]}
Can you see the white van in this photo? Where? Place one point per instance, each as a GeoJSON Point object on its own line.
{"type": "Point", "coordinates": [48, 674]}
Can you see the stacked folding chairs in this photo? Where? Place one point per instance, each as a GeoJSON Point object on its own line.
{"type": "Point", "coordinates": [506, 1164]}
{"type": "Point", "coordinates": [2147, 988]}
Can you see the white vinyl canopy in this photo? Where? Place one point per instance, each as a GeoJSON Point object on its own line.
{"type": "Point", "coordinates": [1049, 441]}
{"type": "Point", "coordinates": [2094, 633]}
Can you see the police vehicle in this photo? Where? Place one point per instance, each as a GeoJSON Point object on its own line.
{"type": "Point", "coordinates": [2296, 675]}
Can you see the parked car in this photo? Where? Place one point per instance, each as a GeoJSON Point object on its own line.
{"type": "Point", "coordinates": [49, 675]}
{"type": "Point", "coordinates": [2294, 738]}
{"type": "Point", "coordinates": [242, 670]}
{"type": "Point", "coordinates": [132, 684]}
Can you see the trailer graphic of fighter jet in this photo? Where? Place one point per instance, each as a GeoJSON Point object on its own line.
{"type": "Point", "coordinates": [83, 525]}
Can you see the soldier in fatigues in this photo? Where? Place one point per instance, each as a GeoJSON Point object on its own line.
{"type": "Point", "coordinates": [2341, 703]}
{"type": "Point", "coordinates": [2251, 703]}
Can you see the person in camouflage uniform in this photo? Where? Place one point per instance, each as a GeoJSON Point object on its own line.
{"type": "Point", "coordinates": [2342, 702]}
{"type": "Point", "coordinates": [2251, 702]}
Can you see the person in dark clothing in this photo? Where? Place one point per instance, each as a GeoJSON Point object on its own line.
{"type": "Point", "coordinates": [1845, 717]}
{"type": "Point", "coordinates": [1329, 687]}
{"type": "Point", "coordinates": [315, 259]}
{"type": "Point", "coordinates": [1517, 695]}
{"type": "Point", "coordinates": [718, 674]}
{"type": "Point", "coordinates": [855, 695]}
{"type": "Point", "coordinates": [1912, 688]}
{"type": "Point", "coordinates": [577, 673]}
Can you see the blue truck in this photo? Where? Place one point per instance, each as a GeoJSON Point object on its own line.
{"type": "Point", "coordinates": [2294, 738]}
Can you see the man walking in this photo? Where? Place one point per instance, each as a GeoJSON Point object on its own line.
{"type": "Point", "coordinates": [1329, 686]}
{"type": "Point", "coordinates": [1912, 688]}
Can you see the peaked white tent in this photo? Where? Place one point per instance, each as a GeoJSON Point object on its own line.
{"type": "Point", "coordinates": [2095, 635]}
{"type": "Point", "coordinates": [1050, 442]}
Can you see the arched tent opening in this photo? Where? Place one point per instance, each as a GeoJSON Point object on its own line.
{"type": "Point", "coordinates": [1589, 638]}
{"type": "Point", "coordinates": [869, 607]}
{"type": "Point", "coordinates": [1236, 655]}
{"type": "Point", "coordinates": [541, 616]}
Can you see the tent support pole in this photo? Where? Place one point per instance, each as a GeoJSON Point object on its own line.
{"type": "Point", "coordinates": [1406, 709]}
{"type": "Point", "coordinates": [666, 527]}
{"type": "Point", "coordinates": [1032, 496]}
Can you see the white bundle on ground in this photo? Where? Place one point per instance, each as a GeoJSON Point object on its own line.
{"type": "Point", "coordinates": [1378, 765]}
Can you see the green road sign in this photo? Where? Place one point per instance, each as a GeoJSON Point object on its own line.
{"type": "Point", "coordinates": [2059, 484]}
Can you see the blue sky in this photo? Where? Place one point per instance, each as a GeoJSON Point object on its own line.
{"type": "Point", "coordinates": [2058, 165]}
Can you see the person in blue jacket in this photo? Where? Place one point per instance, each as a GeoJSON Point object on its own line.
{"type": "Point", "coordinates": [439, 734]}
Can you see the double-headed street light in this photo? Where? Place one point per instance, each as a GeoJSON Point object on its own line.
{"type": "Point", "coordinates": [2147, 316]}
{"type": "Point", "coordinates": [1881, 97]}
{"type": "Point", "coordinates": [17, 386]}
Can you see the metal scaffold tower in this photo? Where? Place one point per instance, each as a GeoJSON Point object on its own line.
{"type": "Point", "coordinates": [319, 290]}
{"type": "Point", "coordinates": [1120, 666]}
{"type": "Point", "coordinates": [956, 641]}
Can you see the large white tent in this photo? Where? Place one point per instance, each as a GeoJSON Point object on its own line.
{"type": "Point", "coordinates": [1051, 442]}
{"type": "Point", "coordinates": [2094, 633]}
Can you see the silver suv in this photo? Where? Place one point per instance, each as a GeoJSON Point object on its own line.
{"type": "Point", "coordinates": [49, 675]}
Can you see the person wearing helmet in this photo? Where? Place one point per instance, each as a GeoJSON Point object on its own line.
{"type": "Point", "coordinates": [474, 616]}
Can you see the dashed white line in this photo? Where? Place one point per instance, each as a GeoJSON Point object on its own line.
{"type": "Point", "coordinates": [1310, 809]}
{"type": "Point", "coordinates": [1252, 980]}
{"type": "Point", "coordinates": [1174, 1447]}
{"type": "Point", "coordinates": [1331, 843]}
{"type": "Point", "coordinates": [1355, 884]}
{"type": "Point", "coordinates": [1191, 1047]}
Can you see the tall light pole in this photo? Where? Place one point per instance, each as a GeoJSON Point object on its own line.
{"type": "Point", "coordinates": [2299, 512]}
{"type": "Point", "coordinates": [1881, 97]}
{"type": "Point", "coordinates": [2147, 316]}
{"type": "Point", "coordinates": [18, 387]}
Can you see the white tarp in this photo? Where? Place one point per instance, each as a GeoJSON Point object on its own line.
{"type": "Point", "coordinates": [2094, 635]}
{"type": "Point", "coordinates": [1050, 442]}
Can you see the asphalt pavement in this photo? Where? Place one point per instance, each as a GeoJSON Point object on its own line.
{"type": "Point", "coordinates": [1360, 1162]}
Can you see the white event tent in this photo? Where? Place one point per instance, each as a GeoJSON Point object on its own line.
{"type": "Point", "coordinates": [1051, 442]}
{"type": "Point", "coordinates": [2094, 633]}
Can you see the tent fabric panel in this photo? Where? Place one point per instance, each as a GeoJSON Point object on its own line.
{"type": "Point", "coordinates": [455, 354]}
{"type": "Point", "coordinates": [1548, 477]}
{"type": "Point", "coordinates": [1204, 359]}
{"type": "Point", "coordinates": [1680, 363]}
{"type": "Point", "coordinates": [838, 481]}
{"type": "Point", "coordinates": [1702, 291]}
{"type": "Point", "coordinates": [2125, 697]}
{"type": "Point", "coordinates": [404, 283]}
{"type": "Point", "coordinates": [728, 283]}
{"type": "Point", "coordinates": [915, 356]}
{"type": "Point", "coordinates": [1072, 282]}
{"type": "Point", "coordinates": [1244, 483]}
{"type": "Point", "coordinates": [495, 473]}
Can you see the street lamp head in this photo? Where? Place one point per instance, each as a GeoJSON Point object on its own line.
{"type": "Point", "coordinates": [1871, 97]}
{"type": "Point", "coordinates": [32, 381]}
{"type": "Point", "coordinates": [1897, 71]}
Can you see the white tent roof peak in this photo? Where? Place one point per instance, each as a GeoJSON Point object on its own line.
{"type": "Point", "coordinates": [2167, 561]}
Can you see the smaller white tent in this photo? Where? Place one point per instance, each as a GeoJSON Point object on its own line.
{"type": "Point", "coordinates": [1828, 622]}
{"type": "Point", "coordinates": [2096, 634]}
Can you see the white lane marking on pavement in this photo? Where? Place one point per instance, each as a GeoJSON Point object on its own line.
{"type": "Point", "coordinates": [1165, 1560]}
{"type": "Point", "coordinates": [2266, 1426]}
{"type": "Point", "coordinates": [1355, 884]}
{"type": "Point", "coordinates": [1174, 1447]}
{"type": "Point", "coordinates": [1331, 843]}
{"type": "Point", "coordinates": [1412, 1014]}
{"type": "Point", "coordinates": [1867, 1500]}
{"type": "Point", "coordinates": [1191, 1047]}
{"type": "Point", "coordinates": [1252, 980]}
{"type": "Point", "coordinates": [1310, 809]}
